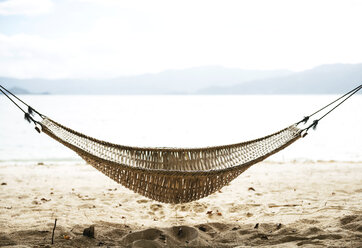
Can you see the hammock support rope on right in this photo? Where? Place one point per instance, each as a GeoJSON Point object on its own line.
{"type": "Point", "coordinates": [172, 175]}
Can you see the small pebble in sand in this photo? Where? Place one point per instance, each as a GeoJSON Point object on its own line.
{"type": "Point", "coordinates": [162, 237]}
{"type": "Point", "coordinates": [202, 228]}
{"type": "Point", "coordinates": [4, 184]}
{"type": "Point", "coordinates": [279, 226]}
{"type": "Point", "coordinates": [209, 212]}
{"type": "Point", "coordinates": [89, 232]}
{"type": "Point", "coordinates": [256, 226]}
{"type": "Point", "coordinates": [67, 237]}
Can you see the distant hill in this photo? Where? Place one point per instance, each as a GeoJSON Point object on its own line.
{"type": "Point", "coordinates": [19, 91]}
{"type": "Point", "coordinates": [325, 79]}
{"type": "Point", "coordinates": [186, 81]}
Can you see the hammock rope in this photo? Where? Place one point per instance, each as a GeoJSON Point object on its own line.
{"type": "Point", "coordinates": [347, 95]}
{"type": "Point", "coordinates": [172, 175]}
{"type": "Point", "coordinates": [316, 121]}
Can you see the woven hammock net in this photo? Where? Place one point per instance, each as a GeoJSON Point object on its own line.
{"type": "Point", "coordinates": [171, 175]}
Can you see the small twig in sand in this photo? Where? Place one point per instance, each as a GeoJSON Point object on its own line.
{"type": "Point", "coordinates": [176, 217]}
{"type": "Point", "coordinates": [55, 224]}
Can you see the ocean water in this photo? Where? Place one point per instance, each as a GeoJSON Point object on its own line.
{"type": "Point", "coordinates": [182, 121]}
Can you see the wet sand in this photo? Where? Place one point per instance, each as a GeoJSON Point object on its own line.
{"type": "Point", "coordinates": [271, 204]}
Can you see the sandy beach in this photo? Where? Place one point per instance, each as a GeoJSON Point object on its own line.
{"type": "Point", "coordinates": [308, 204]}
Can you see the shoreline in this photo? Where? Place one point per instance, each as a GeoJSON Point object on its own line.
{"type": "Point", "coordinates": [292, 203]}
{"type": "Point", "coordinates": [82, 162]}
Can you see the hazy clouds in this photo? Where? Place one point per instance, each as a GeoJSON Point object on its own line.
{"type": "Point", "coordinates": [25, 7]}
{"type": "Point", "coordinates": [94, 38]}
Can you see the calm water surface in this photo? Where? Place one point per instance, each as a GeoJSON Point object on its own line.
{"type": "Point", "coordinates": [178, 121]}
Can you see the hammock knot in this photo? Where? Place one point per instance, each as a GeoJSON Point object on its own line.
{"type": "Point", "coordinates": [30, 111]}
{"type": "Point", "coordinates": [28, 117]}
{"type": "Point", "coordinates": [304, 120]}
{"type": "Point", "coordinates": [313, 125]}
{"type": "Point", "coordinates": [37, 128]}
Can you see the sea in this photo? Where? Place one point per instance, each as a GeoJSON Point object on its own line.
{"type": "Point", "coordinates": [182, 121]}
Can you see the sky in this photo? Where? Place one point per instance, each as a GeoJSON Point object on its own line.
{"type": "Point", "coordinates": [109, 38]}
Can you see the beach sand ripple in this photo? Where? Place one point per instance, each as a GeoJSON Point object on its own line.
{"type": "Point", "coordinates": [270, 205]}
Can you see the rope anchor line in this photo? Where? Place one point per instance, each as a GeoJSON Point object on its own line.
{"type": "Point", "coordinates": [29, 113]}
{"type": "Point", "coordinates": [315, 122]}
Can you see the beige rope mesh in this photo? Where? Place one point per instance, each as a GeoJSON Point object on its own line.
{"type": "Point", "coordinates": [171, 175]}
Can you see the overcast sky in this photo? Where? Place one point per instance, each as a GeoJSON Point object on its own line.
{"type": "Point", "coordinates": [109, 38]}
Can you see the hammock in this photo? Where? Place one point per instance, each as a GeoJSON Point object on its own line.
{"type": "Point", "coordinates": [172, 175]}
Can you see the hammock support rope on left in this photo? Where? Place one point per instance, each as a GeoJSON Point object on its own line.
{"type": "Point", "coordinates": [172, 175]}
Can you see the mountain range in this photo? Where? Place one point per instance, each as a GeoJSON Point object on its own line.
{"type": "Point", "coordinates": [324, 79]}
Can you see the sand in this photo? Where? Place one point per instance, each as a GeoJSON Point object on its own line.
{"type": "Point", "coordinates": [271, 205]}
